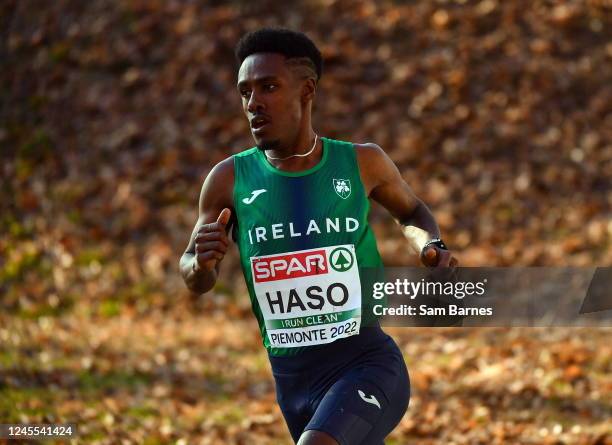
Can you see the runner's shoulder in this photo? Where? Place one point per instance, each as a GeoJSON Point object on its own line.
{"type": "Point", "coordinates": [369, 151]}
{"type": "Point", "coordinates": [371, 156]}
{"type": "Point", "coordinates": [216, 192]}
{"type": "Point", "coordinates": [248, 152]}
{"type": "Point", "coordinates": [222, 172]}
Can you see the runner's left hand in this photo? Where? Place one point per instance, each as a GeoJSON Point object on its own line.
{"type": "Point", "coordinates": [433, 256]}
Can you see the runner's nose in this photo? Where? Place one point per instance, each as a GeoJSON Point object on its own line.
{"type": "Point", "coordinates": [254, 104]}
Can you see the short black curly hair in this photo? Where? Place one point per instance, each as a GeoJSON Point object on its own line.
{"type": "Point", "coordinates": [295, 46]}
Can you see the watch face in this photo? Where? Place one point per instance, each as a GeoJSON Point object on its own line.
{"type": "Point", "coordinates": [436, 242]}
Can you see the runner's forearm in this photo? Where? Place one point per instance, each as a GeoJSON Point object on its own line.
{"type": "Point", "coordinates": [198, 281]}
{"type": "Point", "coordinates": [420, 227]}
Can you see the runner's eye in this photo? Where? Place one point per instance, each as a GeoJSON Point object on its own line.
{"type": "Point", "coordinates": [245, 93]}
{"type": "Point", "coordinates": [269, 87]}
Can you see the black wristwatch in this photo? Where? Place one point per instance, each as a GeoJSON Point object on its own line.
{"type": "Point", "coordinates": [436, 242]}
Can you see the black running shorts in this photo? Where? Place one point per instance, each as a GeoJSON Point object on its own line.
{"type": "Point", "coordinates": [355, 389]}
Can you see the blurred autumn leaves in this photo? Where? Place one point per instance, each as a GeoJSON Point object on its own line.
{"type": "Point", "coordinates": [186, 378]}
{"type": "Point", "coordinates": [497, 113]}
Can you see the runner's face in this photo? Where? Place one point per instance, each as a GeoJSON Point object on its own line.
{"type": "Point", "coordinates": [270, 99]}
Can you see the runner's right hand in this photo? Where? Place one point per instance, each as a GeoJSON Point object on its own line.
{"type": "Point", "coordinates": [211, 242]}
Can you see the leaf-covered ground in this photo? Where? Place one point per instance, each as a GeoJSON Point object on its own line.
{"type": "Point", "coordinates": [199, 375]}
{"type": "Point", "coordinates": [497, 114]}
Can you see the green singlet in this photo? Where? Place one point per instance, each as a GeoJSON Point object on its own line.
{"type": "Point", "coordinates": [302, 238]}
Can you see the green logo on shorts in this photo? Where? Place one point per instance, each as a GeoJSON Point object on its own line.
{"type": "Point", "coordinates": [341, 259]}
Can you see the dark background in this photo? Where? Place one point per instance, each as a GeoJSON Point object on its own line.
{"type": "Point", "coordinates": [113, 112]}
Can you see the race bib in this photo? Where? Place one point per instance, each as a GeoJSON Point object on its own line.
{"type": "Point", "coordinates": [309, 297]}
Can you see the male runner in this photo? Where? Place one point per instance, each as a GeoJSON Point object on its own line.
{"type": "Point", "coordinates": [297, 205]}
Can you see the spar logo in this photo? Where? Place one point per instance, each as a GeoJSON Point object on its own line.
{"type": "Point", "coordinates": [341, 259]}
{"type": "Point", "coordinates": [290, 265]}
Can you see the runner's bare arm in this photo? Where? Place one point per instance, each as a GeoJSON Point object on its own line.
{"type": "Point", "coordinates": [209, 241]}
{"type": "Point", "coordinates": [385, 185]}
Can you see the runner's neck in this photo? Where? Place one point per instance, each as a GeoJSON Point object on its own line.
{"type": "Point", "coordinates": [297, 164]}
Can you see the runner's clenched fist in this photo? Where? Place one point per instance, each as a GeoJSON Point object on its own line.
{"type": "Point", "coordinates": [211, 242]}
{"type": "Point", "coordinates": [433, 256]}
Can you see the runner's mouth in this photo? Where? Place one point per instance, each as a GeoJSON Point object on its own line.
{"type": "Point", "coordinates": [259, 122]}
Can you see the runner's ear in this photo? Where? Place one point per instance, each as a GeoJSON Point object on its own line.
{"type": "Point", "coordinates": [309, 89]}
